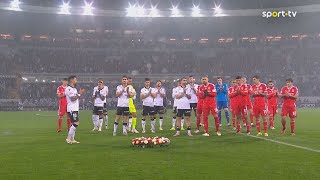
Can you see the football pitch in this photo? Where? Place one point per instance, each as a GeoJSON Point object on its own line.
{"type": "Point", "coordinates": [30, 148]}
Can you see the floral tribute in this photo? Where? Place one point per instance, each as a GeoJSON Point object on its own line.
{"type": "Point", "coordinates": [150, 142]}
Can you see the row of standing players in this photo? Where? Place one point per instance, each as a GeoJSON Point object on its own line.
{"type": "Point", "coordinates": [200, 98]}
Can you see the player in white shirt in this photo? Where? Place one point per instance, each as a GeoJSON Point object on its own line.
{"type": "Point", "coordinates": [147, 94]}
{"type": "Point", "coordinates": [124, 92]}
{"type": "Point", "coordinates": [73, 97]}
{"type": "Point", "coordinates": [183, 105]}
{"type": "Point", "coordinates": [194, 99]}
{"type": "Point", "coordinates": [99, 97]}
{"type": "Point", "coordinates": [158, 103]}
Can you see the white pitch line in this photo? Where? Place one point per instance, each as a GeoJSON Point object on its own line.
{"type": "Point", "coordinates": [275, 141]}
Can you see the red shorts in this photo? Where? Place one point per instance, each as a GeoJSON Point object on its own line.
{"type": "Point", "coordinates": [259, 110]}
{"type": "Point", "coordinates": [272, 109]}
{"type": "Point", "coordinates": [289, 110]}
{"type": "Point", "coordinates": [199, 108]}
{"type": "Point", "coordinates": [206, 110]}
{"type": "Point", "coordinates": [239, 109]}
{"type": "Point", "coordinates": [62, 110]}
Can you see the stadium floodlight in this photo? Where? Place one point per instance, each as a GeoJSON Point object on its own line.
{"type": "Point", "coordinates": [131, 10]}
{"type": "Point", "coordinates": [15, 5]}
{"type": "Point", "coordinates": [140, 11]}
{"type": "Point", "coordinates": [154, 12]}
{"type": "Point", "coordinates": [65, 8]}
{"type": "Point", "coordinates": [217, 9]}
{"type": "Point", "coordinates": [87, 8]}
{"type": "Point", "coordinates": [196, 11]}
{"type": "Point", "coordinates": [175, 11]}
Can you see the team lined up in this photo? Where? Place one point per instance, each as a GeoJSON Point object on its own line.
{"type": "Point", "coordinates": [204, 99]}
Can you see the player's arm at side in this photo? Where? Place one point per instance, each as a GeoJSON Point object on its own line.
{"type": "Point", "coordinates": [188, 93]}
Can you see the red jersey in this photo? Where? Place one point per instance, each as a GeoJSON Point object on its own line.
{"type": "Point", "coordinates": [61, 91]}
{"type": "Point", "coordinates": [291, 91]}
{"type": "Point", "coordinates": [256, 89]}
{"type": "Point", "coordinates": [210, 100]}
{"type": "Point", "coordinates": [200, 96]}
{"type": "Point", "coordinates": [249, 89]}
{"type": "Point", "coordinates": [232, 93]}
{"type": "Point", "coordinates": [272, 94]}
{"type": "Point", "coordinates": [243, 94]}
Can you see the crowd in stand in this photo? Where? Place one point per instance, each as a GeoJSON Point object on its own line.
{"type": "Point", "coordinates": [270, 61]}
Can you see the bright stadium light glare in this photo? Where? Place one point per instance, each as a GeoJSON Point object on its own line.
{"type": "Point", "coordinates": [15, 5]}
{"type": "Point", "coordinates": [154, 12]}
{"type": "Point", "coordinates": [131, 10]}
{"type": "Point", "coordinates": [140, 11]}
{"type": "Point", "coordinates": [65, 8]}
{"type": "Point", "coordinates": [196, 11]}
{"type": "Point", "coordinates": [175, 11]}
{"type": "Point", "coordinates": [87, 8]}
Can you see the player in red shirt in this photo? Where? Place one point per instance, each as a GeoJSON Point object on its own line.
{"type": "Point", "coordinates": [62, 104]}
{"type": "Point", "coordinates": [240, 104]}
{"type": "Point", "coordinates": [208, 94]}
{"type": "Point", "coordinates": [248, 99]}
{"type": "Point", "coordinates": [272, 94]}
{"type": "Point", "coordinates": [199, 109]}
{"type": "Point", "coordinates": [259, 92]}
{"type": "Point", "coordinates": [231, 95]}
{"type": "Point", "coordinates": [290, 94]}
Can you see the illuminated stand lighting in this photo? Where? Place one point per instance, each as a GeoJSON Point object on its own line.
{"type": "Point", "coordinates": [87, 8]}
{"type": "Point", "coordinates": [175, 12]}
{"type": "Point", "coordinates": [65, 8]}
{"type": "Point", "coordinates": [15, 5]}
{"type": "Point", "coordinates": [196, 11]}
{"type": "Point", "coordinates": [218, 11]}
{"type": "Point", "coordinates": [154, 12]}
{"type": "Point", "coordinates": [135, 11]}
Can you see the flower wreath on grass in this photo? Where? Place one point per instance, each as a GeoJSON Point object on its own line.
{"type": "Point", "coordinates": [150, 142]}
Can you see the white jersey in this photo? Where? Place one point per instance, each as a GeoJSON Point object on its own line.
{"type": "Point", "coordinates": [194, 89]}
{"type": "Point", "coordinates": [123, 99]}
{"type": "Point", "coordinates": [148, 101]}
{"type": "Point", "coordinates": [158, 100]}
{"type": "Point", "coordinates": [174, 92]}
{"type": "Point", "coordinates": [72, 105]}
{"type": "Point", "coordinates": [104, 91]}
{"type": "Point", "coordinates": [183, 103]}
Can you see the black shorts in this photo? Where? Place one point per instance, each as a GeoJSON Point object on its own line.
{"type": "Point", "coordinates": [147, 110]}
{"type": "Point", "coordinates": [174, 110]}
{"type": "Point", "coordinates": [122, 111]}
{"type": "Point", "coordinates": [184, 112]}
{"type": "Point", "coordinates": [158, 110]}
{"type": "Point", "coordinates": [74, 116]}
{"type": "Point", "coordinates": [105, 110]}
{"type": "Point", "coordinates": [97, 110]}
{"type": "Point", "coordinates": [194, 106]}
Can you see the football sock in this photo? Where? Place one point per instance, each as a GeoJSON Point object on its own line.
{"type": "Point", "coordinates": [292, 124]}
{"type": "Point", "coordinates": [68, 123]}
{"type": "Point", "coordinates": [189, 130]}
{"type": "Point", "coordinates": [182, 122]}
{"type": "Point", "coordinates": [115, 127]}
{"type": "Point", "coordinates": [124, 127]}
{"type": "Point", "coordinates": [161, 121]}
{"type": "Point", "coordinates": [233, 122]}
{"type": "Point", "coordinates": [72, 132]}
{"type": "Point", "coordinates": [251, 117]}
{"type": "Point", "coordinates": [258, 125]}
{"type": "Point", "coordinates": [174, 122]}
{"type": "Point", "coordinates": [134, 122]}
{"type": "Point", "coordinates": [265, 126]}
{"type": "Point", "coordinates": [60, 122]}
{"type": "Point", "coordinates": [238, 127]}
{"type": "Point", "coordinates": [206, 124]}
{"type": "Point", "coordinates": [219, 115]}
{"type": "Point", "coordinates": [143, 123]}
{"type": "Point", "coordinates": [152, 123]}
{"type": "Point", "coordinates": [271, 120]}
{"type": "Point", "coordinates": [216, 120]}
{"type": "Point", "coordinates": [106, 120]}
{"type": "Point", "coordinates": [100, 121]}
{"type": "Point", "coordinates": [227, 116]}
{"type": "Point", "coordinates": [198, 122]}
{"type": "Point", "coordinates": [130, 122]}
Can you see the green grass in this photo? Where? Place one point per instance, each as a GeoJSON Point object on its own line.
{"type": "Point", "coordinates": [31, 149]}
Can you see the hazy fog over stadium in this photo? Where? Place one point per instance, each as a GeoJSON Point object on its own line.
{"type": "Point", "coordinates": [44, 41]}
